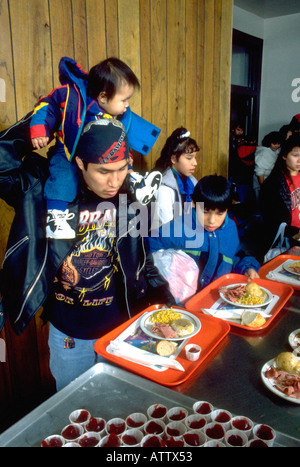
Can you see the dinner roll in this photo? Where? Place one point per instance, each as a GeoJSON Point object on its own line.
{"type": "Point", "coordinates": [253, 289]}
{"type": "Point", "coordinates": [287, 361]}
{"type": "Point", "coordinates": [165, 348]}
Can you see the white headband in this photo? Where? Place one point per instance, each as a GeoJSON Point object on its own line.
{"type": "Point", "coordinates": [184, 135]}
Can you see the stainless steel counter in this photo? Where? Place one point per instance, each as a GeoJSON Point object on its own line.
{"type": "Point", "coordinates": [229, 379]}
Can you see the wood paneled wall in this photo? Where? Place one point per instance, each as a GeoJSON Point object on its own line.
{"type": "Point", "coordinates": [181, 52]}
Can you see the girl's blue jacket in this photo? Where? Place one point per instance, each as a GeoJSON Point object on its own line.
{"type": "Point", "coordinates": [216, 253]}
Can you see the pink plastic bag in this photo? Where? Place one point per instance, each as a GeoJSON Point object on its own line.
{"type": "Point", "coordinates": [180, 270]}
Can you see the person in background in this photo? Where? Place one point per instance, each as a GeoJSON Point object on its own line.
{"type": "Point", "coordinates": [177, 162]}
{"type": "Point", "coordinates": [265, 158]}
{"type": "Point", "coordinates": [207, 233]}
{"type": "Point", "coordinates": [280, 194]}
{"type": "Point", "coordinates": [87, 285]}
{"type": "Point", "coordinates": [104, 92]}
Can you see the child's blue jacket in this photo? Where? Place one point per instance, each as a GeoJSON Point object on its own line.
{"type": "Point", "coordinates": [217, 253]}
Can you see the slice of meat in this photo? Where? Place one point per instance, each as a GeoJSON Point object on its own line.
{"type": "Point", "coordinates": [163, 330]}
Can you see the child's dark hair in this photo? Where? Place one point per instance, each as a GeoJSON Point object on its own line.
{"type": "Point", "coordinates": [107, 76]}
{"type": "Point", "coordinates": [286, 147]}
{"type": "Point", "coordinates": [214, 191]}
{"type": "Point", "coordinates": [272, 138]}
{"type": "Point", "coordinates": [177, 144]}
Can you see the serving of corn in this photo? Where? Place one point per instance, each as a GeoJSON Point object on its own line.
{"type": "Point", "coordinates": [165, 316]}
{"type": "Point", "coordinates": [250, 300]}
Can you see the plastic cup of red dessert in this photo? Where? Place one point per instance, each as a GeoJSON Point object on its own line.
{"type": "Point", "coordinates": [72, 432]}
{"type": "Point", "coordinates": [132, 438]}
{"type": "Point", "coordinates": [264, 433]}
{"type": "Point", "coordinates": [195, 421]}
{"type": "Point", "coordinates": [90, 439]}
{"type": "Point", "coordinates": [204, 408]}
{"type": "Point", "coordinates": [110, 441]}
{"type": "Point", "coordinates": [192, 352]}
{"type": "Point", "coordinates": [53, 441]}
{"type": "Point", "coordinates": [157, 411]}
{"type": "Point", "coordinates": [80, 416]}
{"type": "Point", "coordinates": [194, 438]}
{"type": "Point", "coordinates": [136, 420]}
{"type": "Point", "coordinates": [116, 425]}
{"type": "Point", "coordinates": [215, 431]}
{"type": "Point", "coordinates": [223, 417]}
{"type": "Point", "coordinates": [236, 438]}
{"type": "Point", "coordinates": [243, 424]}
{"type": "Point", "coordinates": [175, 430]}
{"type": "Point", "coordinates": [154, 427]}
{"type": "Point", "coordinates": [177, 414]}
{"type": "Point", "coordinates": [151, 441]}
{"type": "Point", "coordinates": [96, 424]}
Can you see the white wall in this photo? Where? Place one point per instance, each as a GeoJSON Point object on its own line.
{"type": "Point", "coordinates": [280, 66]}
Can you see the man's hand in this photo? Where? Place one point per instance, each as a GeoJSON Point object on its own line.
{"type": "Point", "coordinates": [40, 142]}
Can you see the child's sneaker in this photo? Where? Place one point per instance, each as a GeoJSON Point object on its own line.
{"type": "Point", "coordinates": [57, 224]}
{"type": "Point", "coordinates": [145, 187]}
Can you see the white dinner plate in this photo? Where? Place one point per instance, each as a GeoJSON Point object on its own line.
{"type": "Point", "coordinates": [290, 263]}
{"type": "Point", "coordinates": [294, 341]}
{"type": "Point", "coordinates": [146, 324]}
{"type": "Point", "coordinates": [269, 383]}
{"type": "Point", "coordinates": [268, 299]}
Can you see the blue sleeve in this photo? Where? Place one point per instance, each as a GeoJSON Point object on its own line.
{"type": "Point", "coordinates": [242, 263]}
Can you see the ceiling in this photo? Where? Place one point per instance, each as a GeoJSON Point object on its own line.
{"type": "Point", "coordinates": [269, 8]}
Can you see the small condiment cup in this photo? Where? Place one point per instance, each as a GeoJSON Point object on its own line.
{"type": "Point", "coordinates": [151, 441]}
{"type": "Point", "coordinates": [80, 416]}
{"type": "Point", "coordinates": [116, 425]}
{"type": "Point", "coordinates": [154, 427]}
{"type": "Point", "coordinates": [265, 433]}
{"type": "Point", "coordinates": [194, 438]}
{"type": "Point", "coordinates": [195, 421]}
{"type": "Point", "coordinates": [110, 441]}
{"type": "Point", "coordinates": [71, 445]}
{"type": "Point", "coordinates": [132, 438]}
{"type": "Point", "coordinates": [136, 420]}
{"type": "Point", "coordinates": [178, 414]}
{"type": "Point", "coordinates": [53, 441]}
{"type": "Point", "coordinates": [72, 432]}
{"type": "Point", "coordinates": [192, 352]}
{"type": "Point", "coordinates": [97, 424]}
{"type": "Point", "coordinates": [157, 411]}
{"type": "Point", "coordinates": [215, 431]}
{"type": "Point", "coordinates": [90, 439]}
{"type": "Point", "coordinates": [204, 408]}
{"type": "Point", "coordinates": [223, 417]}
{"type": "Point", "coordinates": [243, 424]}
{"type": "Point", "coordinates": [236, 438]}
{"type": "Point", "coordinates": [175, 430]}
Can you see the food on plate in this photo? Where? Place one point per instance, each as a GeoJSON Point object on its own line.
{"type": "Point", "coordinates": [163, 330]}
{"type": "Point", "coordinates": [244, 294]}
{"type": "Point", "coordinates": [165, 348]}
{"type": "Point", "coordinates": [165, 316]}
{"type": "Point", "coordinates": [284, 374]}
{"type": "Point", "coordinates": [252, 319]}
{"type": "Point", "coordinates": [294, 267]}
{"type": "Point", "coordinates": [287, 361]}
{"type": "Point", "coordinates": [182, 327]}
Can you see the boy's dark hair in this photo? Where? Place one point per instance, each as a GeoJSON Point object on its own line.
{"type": "Point", "coordinates": [177, 144]}
{"type": "Point", "coordinates": [272, 138]}
{"type": "Point", "coordinates": [214, 191]}
{"type": "Point", "coordinates": [107, 76]}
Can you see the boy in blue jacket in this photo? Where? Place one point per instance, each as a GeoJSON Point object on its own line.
{"type": "Point", "coordinates": [104, 92]}
{"type": "Point", "coordinates": [209, 235]}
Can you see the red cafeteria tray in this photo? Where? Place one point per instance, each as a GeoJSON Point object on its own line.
{"type": "Point", "coordinates": [209, 295]}
{"type": "Point", "coordinates": [274, 263]}
{"type": "Point", "coordinates": [212, 332]}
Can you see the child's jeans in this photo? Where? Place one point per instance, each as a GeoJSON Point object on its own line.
{"type": "Point", "coordinates": [62, 183]}
{"type": "Point", "coordinates": [66, 364]}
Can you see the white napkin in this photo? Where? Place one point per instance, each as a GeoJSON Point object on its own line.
{"type": "Point", "coordinates": [234, 313]}
{"type": "Point", "coordinates": [131, 353]}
